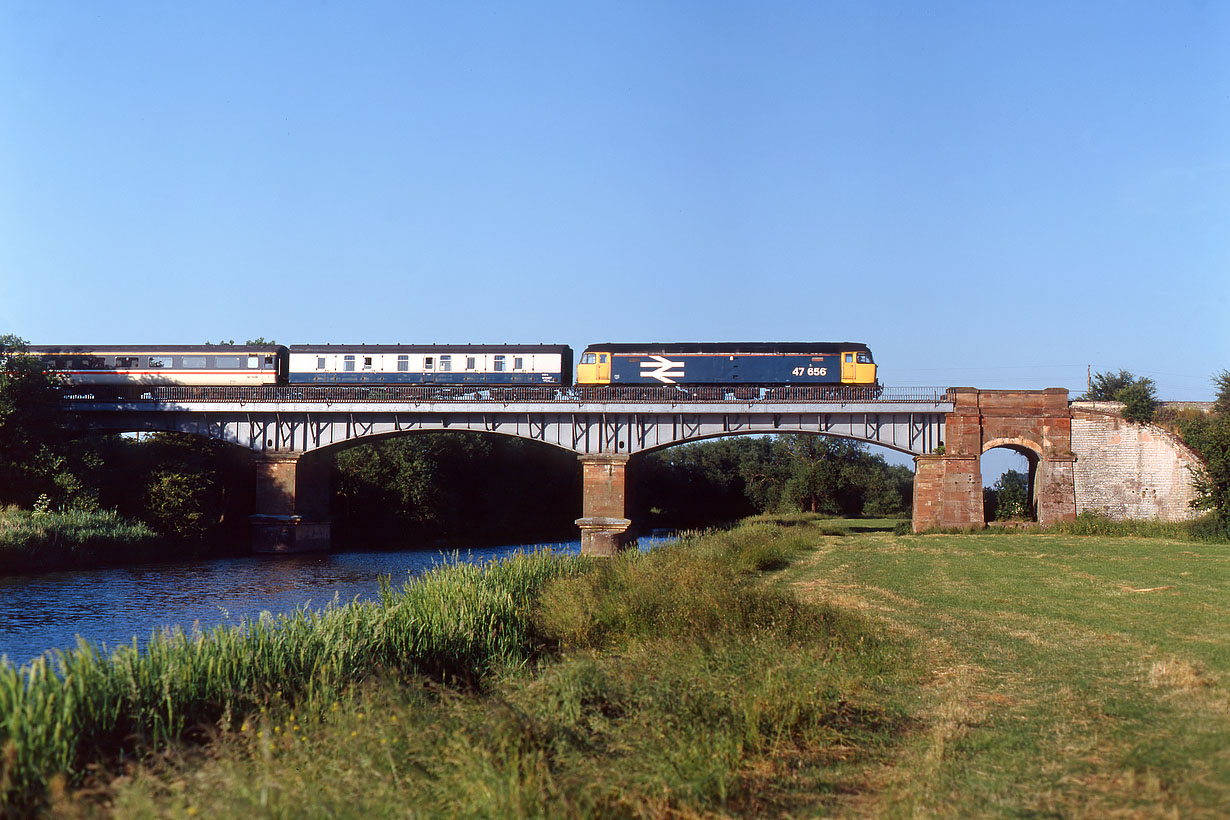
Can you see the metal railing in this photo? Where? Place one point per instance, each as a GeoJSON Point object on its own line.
{"type": "Point", "coordinates": [528, 394]}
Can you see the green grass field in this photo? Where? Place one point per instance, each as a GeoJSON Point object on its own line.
{"type": "Point", "coordinates": [1060, 676]}
{"type": "Point", "coordinates": [805, 668]}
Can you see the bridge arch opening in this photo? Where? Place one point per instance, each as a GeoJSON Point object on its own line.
{"type": "Point", "coordinates": [721, 478]}
{"type": "Point", "coordinates": [1009, 469]}
{"type": "Point", "coordinates": [451, 489]}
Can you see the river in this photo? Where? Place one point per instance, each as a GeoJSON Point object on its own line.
{"type": "Point", "coordinates": [108, 607]}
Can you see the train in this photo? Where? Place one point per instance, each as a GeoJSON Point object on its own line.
{"type": "Point", "coordinates": [679, 364]}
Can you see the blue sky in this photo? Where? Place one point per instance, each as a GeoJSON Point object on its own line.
{"type": "Point", "coordinates": [995, 194]}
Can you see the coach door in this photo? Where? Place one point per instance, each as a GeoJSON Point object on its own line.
{"type": "Point", "coordinates": [847, 368]}
{"type": "Point", "coordinates": [429, 369]}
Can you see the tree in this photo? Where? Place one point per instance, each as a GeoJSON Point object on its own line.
{"type": "Point", "coordinates": [1210, 437]}
{"type": "Point", "coordinates": [1139, 400]}
{"type": "Point", "coordinates": [1008, 498]}
{"type": "Point", "coordinates": [1104, 386]}
{"type": "Point", "coordinates": [1138, 394]}
{"type": "Point", "coordinates": [1221, 403]}
{"type": "Point", "coordinates": [31, 429]}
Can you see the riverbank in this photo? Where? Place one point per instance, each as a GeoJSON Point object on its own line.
{"type": "Point", "coordinates": [34, 541]}
{"type": "Point", "coordinates": [766, 671]}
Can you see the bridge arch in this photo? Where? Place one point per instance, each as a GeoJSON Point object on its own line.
{"type": "Point", "coordinates": [1031, 451]}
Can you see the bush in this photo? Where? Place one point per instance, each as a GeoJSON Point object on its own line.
{"type": "Point", "coordinates": [1139, 401]}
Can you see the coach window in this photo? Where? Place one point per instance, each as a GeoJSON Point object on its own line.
{"type": "Point", "coordinates": [403, 363]}
{"type": "Point", "coordinates": [367, 362]}
{"type": "Point", "coordinates": [126, 362]}
{"type": "Point", "coordinates": [159, 361]}
{"type": "Point", "coordinates": [471, 363]}
{"type": "Point", "coordinates": [254, 362]}
{"type": "Point", "coordinates": [195, 362]}
{"type": "Point", "coordinates": [320, 362]}
{"type": "Point", "coordinates": [429, 362]}
{"type": "Point", "coordinates": [227, 362]}
{"type": "Point", "coordinates": [446, 363]}
{"type": "Point", "coordinates": [498, 366]}
{"type": "Point", "coordinates": [348, 362]}
{"type": "Point", "coordinates": [518, 363]}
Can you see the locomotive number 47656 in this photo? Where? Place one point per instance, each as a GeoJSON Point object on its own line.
{"type": "Point", "coordinates": [810, 371]}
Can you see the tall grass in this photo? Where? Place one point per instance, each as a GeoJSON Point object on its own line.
{"type": "Point", "coordinates": [699, 588]}
{"type": "Point", "coordinates": [61, 713]}
{"type": "Point", "coordinates": [1205, 529]}
{"type": "Point", "coordinates": [34, 540]}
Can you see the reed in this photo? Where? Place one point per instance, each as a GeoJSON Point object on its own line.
{"type": "Point", "coordinates": [69, 709]}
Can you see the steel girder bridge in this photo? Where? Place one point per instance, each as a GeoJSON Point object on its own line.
{"type": "Point", "coordinates": [587, 421]}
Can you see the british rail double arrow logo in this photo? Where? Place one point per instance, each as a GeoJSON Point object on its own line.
{"type": "Point", "coordinates": [662, 369]}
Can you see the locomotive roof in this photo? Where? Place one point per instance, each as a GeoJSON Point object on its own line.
{"type": "Point", "coordinates": [467, 348]}
{"type": "Point", "coordinates": [728, 347]}
{"type": "Point", "coordinates": [106, 350]}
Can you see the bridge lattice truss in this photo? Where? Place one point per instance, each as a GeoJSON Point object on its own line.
{"type": "Point", "coordinates": [584, 425]}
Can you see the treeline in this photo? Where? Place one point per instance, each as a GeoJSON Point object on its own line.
{"type": "Point", "coordinates": [697, 485]}
{"type": "Point", "coordinates": [185, 488]}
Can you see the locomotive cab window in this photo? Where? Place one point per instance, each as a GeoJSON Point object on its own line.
{"type": "Point", "coordinates": [864, 357]}
{"type": "Point", "coordinates": [588, 358]}
{"type": "Point", "coordinates": [602, 358]}
{"type": "Point", "coordinates": [849, 358]}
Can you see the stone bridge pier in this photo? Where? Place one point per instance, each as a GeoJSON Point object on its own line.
{"type": "Point", "coordinates": [292, 503]}
{"type": "Point", "coordinates": [603, 526]}
{"type": "Point", "coordinates": [1036, 423]}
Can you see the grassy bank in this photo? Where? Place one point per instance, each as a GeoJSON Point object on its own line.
{"type": "Point", "coordinates": [36, 541]}
{"type": "Point", "coordinates": [675, 683]}
{"type": "Point", "coordinates": [791, 669]}
{"type": "Point", "coordinates": [61, 718]}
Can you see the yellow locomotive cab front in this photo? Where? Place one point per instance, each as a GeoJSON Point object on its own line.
{"type": "Point", "coordinates": [594, 368]}
{"type": "Point", "coordinates": [857, 367]}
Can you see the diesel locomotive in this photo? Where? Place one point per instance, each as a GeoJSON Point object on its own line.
{"type": "Point", "coordinates": [680, 364]}
{"type": "Point", "coordinates": [759, 364]}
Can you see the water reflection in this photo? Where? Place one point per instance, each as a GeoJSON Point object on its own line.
{"type": "Point", "coordinates": [113, 606]}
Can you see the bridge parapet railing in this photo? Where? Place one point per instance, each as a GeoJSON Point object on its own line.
{"type": "Point", "coordinates": [536, 394]}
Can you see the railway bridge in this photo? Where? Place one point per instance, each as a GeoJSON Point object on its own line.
{"type": "Point", "coordinates": [288, 430]}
